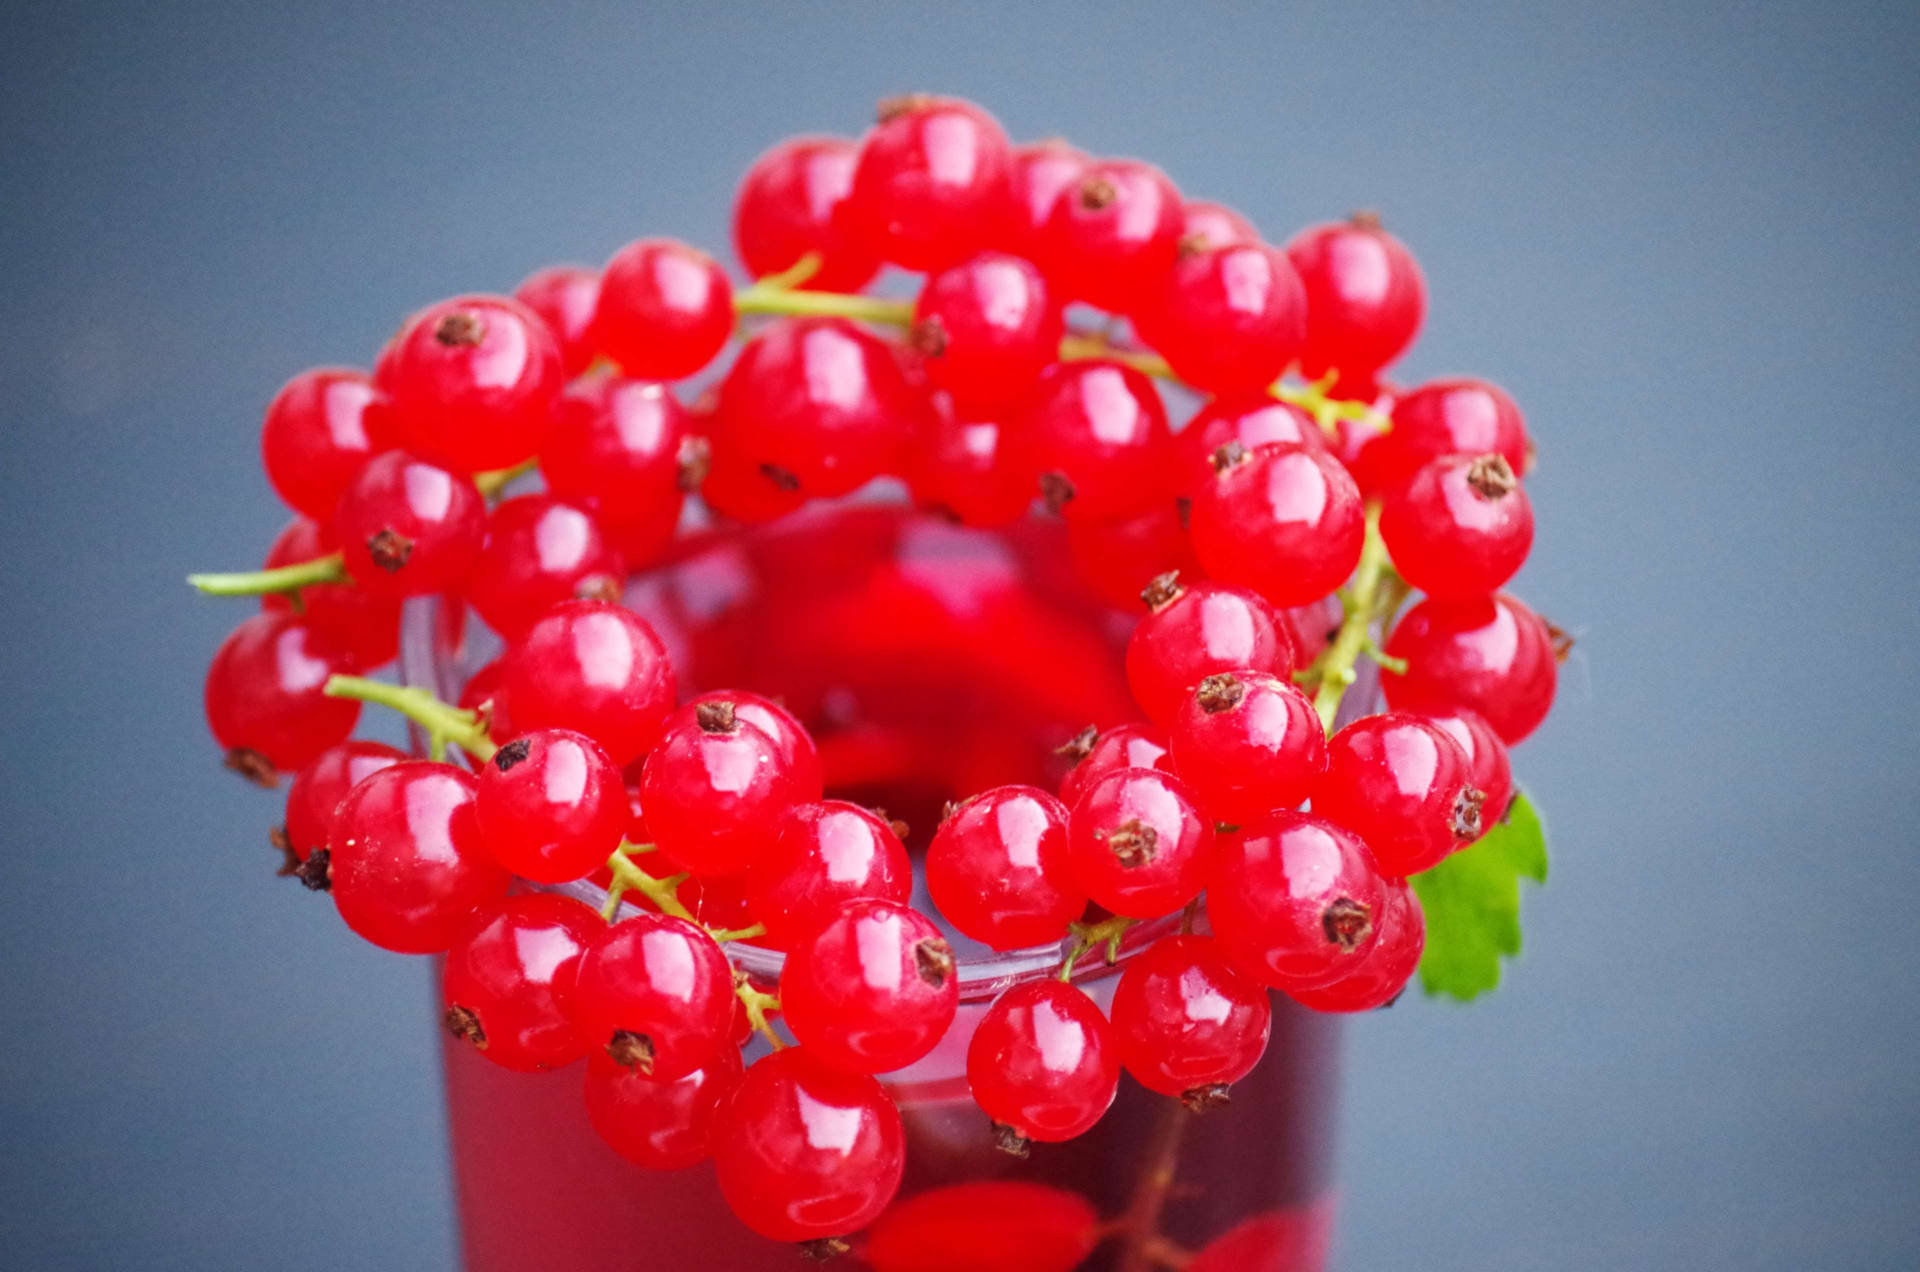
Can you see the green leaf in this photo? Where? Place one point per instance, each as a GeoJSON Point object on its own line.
{"type": "Point", "coordinates": [1472, 904]}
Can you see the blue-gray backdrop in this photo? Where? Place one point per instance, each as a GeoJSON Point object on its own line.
{"type": "Point", "coordinates": [1683, 235]}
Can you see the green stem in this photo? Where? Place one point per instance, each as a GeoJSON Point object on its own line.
{"type": "Point", "coordinates": [1080, 345]}
{"type": "Point", "coordinates": [1328, 411]}
{"type": "Point", "coordinates": [286, 578]}
{"type": "Point", "coordinates": [723, 935]}
{"type": "Point", "coordinates": [443, 722]}
{"type": "Point", "coordinates": [795, 274]}
{"type": "Point", "coordinates": [1088, 936]}
{"type": "Point", "coordinates": [490, 484]}
{"type": "Point", "coordinates": [757, 1006]}
{"type": "Point", "coordinates": [764, 299]}
{"type": "Point", "coordinates": [1362, 603]}
{"type": "Point", "coordinates": [627, 877]}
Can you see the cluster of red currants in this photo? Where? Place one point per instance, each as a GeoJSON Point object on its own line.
{"type": "Point", "coordinates": [1237, 531]}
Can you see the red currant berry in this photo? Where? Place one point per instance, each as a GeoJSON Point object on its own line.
{"type": "Point", "coordinates": [485, 693]}
{"type": "Point", "coordinates": [665, 310]}
{"type": "Point", "coordinates": [564, 297]}
{"type": "Point", "coordinates": [1006, 1225]}
{"type": "Point", "coordinates": [1043, 1064]}
{"type": "Point", "coordinates": [626, 449]}
{"type": "Point", "coordinates": [1365, 296]}
{"type": "Point", "coordinates": [1138, 844]}
{"type": "Point", "coordinates": [997, 869]}
{"type": "Point", "coordinates": [364, 624]}
{"type": "Point", "coordinates": [739, 488]}
{"type": "Point", "coordinates": [807, 1152]}
{"type": "Point", "coordinates": [1385, 969]}
{"type": "Point", "coordinates": [1286, 522]}
{"type": "Point", "coordinates": [656, 995]}
{"type": "Point", "coordinates": [660, 1125]}
{"type": "Point", "coordinates": [406, 527]}
{"type": "Point", "coordinates": [798, 754]}
{"type": "Point", "coordinates": [1192, 631]}
{"type": "Point", "coordinates": [963, 465]}
{"type": "Point", "coordinates": [1491, 655]}
{"type": "Point", "coordinates": [1124, 746]}
{"type": "Point", "coordinates": [552, 805]}
{"type": "Point", "coordinates": [406, 860]}
{"type": "Point", "coordinates": [264, 695]}
{"type": "Point", "coordinates": [713, 789]}
{"type": "Point", "coordinates": [986, 328]}
{"type": "Point", "coordinates": [1287, 1241]}
{"type": "Point", "coordinates": [1462, 526]}
{"type": "Point", "coordinates": [1248, 742]}
{"type": "Point", "coordinates": [320, 428]}
{"type": "Point", "coordinates": [786, 208]}
{"type": "Point", "coordinates": [470, 382]}
{"type": "Point", "coordinates": [539, 551]}
{"type": "Point", "coordinates": [1250, 421]}
{"type": "Point", "coordinates": [930, 184]}
{"type": "Point", "coordinates": [1096, 432]}
{"type": "Point", "coordinates": [1113, 236]}
{"type": "Point", "coordinates": [597, 669]}
{"type": "Point", "coordinates": [1445, 417]}
{"type": "Point", "coordinates": [1489, 769]}
{"type": "Point", "coordinates": [1400, 784]}
{"type": "Point", "coordinates": [825, 855]}
{"type": "Point", "coordinates": [1040, 173]}
{"type": "Point", "coordinates": [1121, 559]}
{"type": "Point", "coordinates": [816, 405]}
{"type": "Point", "coordinates": [1206, 225]}
{"type": "Point", "coordinates": [503, 981]}
{"type": "Point", "coordinates": [873, 990]}
{"type": "Point", "coordinates": [1186, 1023]}
{"type": "Point", "coordinates": [1228, 319]}
{"type": "Point", "coordinates": [1294, 900]}
{"type": "Point", "coordinates": [318, 788]}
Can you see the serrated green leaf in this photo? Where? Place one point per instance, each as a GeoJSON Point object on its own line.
{"type": "Point", "coordinates": [1472, 904]}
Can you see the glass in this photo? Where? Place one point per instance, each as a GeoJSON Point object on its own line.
{"type": "Point", "coordinates": [932, 662]}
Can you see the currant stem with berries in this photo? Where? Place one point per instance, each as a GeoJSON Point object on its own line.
{"type": "Point", "coordinates": [287, 578]}
{"type": "Point", "coordinates": [1371, 598]}
{"type": "Point", "coordinates": [443, 722]}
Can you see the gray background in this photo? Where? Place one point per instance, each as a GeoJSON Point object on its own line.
{"type": "Point", "coordinates": [1685, 241]}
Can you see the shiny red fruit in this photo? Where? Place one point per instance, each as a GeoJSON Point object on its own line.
{"type": "Point", "coordinates": [366, 625]}
{"type": "Point", "coordinates": [1096, 432]}
{"type": "Point", "coordinates": [1365, 296]}
{"type": "Point", "coordinates": [596, 668]}
{"type": "Point", "coordinates": [1185, 1021]}
{"type": "Point", "coordinates": [787, 206]}
{"type": "Point", "coordinates": [1491, 655]}
{"type": "Point", "coordinates": [825, 855]}
{"type": "Point", "coordinates": [1282, 1241]}
{"type": "Point", "coordinates": [264, 698]}
{"type": "Point", "coordinates": [1043, 1063]}
{"type": "Point", "coordinates": [930, 184]}
{"type": "Point", "coordinates": [1286, 522]}
{"type": "Point", "coordinates": [1251, 420]}
{"type": "Point", "coordinates": [714, 789]}
{"type": "Point", "coordinates": [1039, 174]}
{"type": "Point", "coordinates": [407, 527]}
{"type": "Point", "coordinates": [552, 806]}
{"type": "Point", "coordinates": [1194, 630]}
{"type": "Point", "coordinates": [320, 428]}
{"type": "Point", "coordinates": [1248, 742]}
{"type": "Point", "coordinates": [873, 989]}
{"type": "Point", "coordinates": [1445, 417]}
{"type": "Point", "coordinates": [1113, 236]}
{"type": "Point", "coordinates": [798, 754]}
{"type": "Point", "coordinates": [539, 550]}
{"type": "Point", "coordinates": [1488, 766]}
{"type": "Point", "coordinates": [317, 789]}
{"type": "Point", "coordinates": [1121, 559]}
{"type": "Point", "coordinates": [1294, 900]}
{"type": "Point", "coordinates": [1006, 1225]}
{"type": "Point", "coordinates": [986, 328]}
{"type": "Point", "coordinates": [997, 869]}
{"type": "Point", "coordinates": [1139, 844]}
{"type": "Point", "coordinates": [660, 1125]}
{"type": "Point", "coordinates": [665, 310]}
{"type": "Point", "coordinates": [505, 980]}
{"type": "Point", "coordinates": [471, 381]}
{"type": "Point", "coordinates": [1461, 527]}
{"type": "Point", "coordinates": [1385, 969]}
{"type": "Point", "coordinates": [1206, 225]}
{"type": "Point", "coordinates": [1403, 786]}
{"type": "Point", "coordinates": [1123, 746]}
{"type": "Point", "coordinates": [626, 449]}
{"type": "Point", "coordinates": [962, 463]}
{"type": "Point", "coordinates": [655, 994]}
{"type": "Point", "coordinates": [1228, 319]}
{"type": "Point", "coordinates": [564, 297]}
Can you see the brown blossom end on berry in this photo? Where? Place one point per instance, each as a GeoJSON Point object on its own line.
{"type": "Point", "coordinates": [253, 766]}
{"type": "Point", "coordinates": [928, 337]}
{"type": "Point", "coordinates": [631, 1051]}
{"type": "Point", "coordinates": [899, 828]}
{"type": "Point", "coordinates": [1228, 456]}
{"type": "Point", "coordinates": [1364, 219]}
{"type": "Point", "coordinates": [1221, 692]}
{"type": "Point", "coordinates": [316, 872]}
{"type": "Point", "coordinates": [1205, 1099]}
{"type": "Point", "coordinates": [1469, 814]}
{"type": "Point", "coordinates": [1055, 491]}
{"type": "Point", "coordinates": [1491, 477]}
{"type": "Point", "coordinates": [464, 1024]}
{"type": "Point", "coordinates": [903, 104]}
{"type": "Point", "coordinates": [1347, 923]}
{"type": "Point", "coordinates": [948, 809]}
{"type": "Point", "coordinates": [695, 459]}
{"type": "Point", "coordinates": [389, 549]}
{"type": "Point", "coordinates": [283, 844]}
{"type": "Point", "coordinates": [782, 478]}
{"type": "Point", "coordinates": [460, 329]}
{"type": "Point", "coordinates": [511, 754]}
{"type": "Point", "coordinates": [716, 716]}
{"type": "Point", "coordinates": [1162, 590]}
{"type": "Point", "coordinates": [820, 1249]}
{"type": "Point", "coordinates": [597, 587]}
{"type": "Point", "coordinates": [933, 959]}
{"type": "Point", "coordinates": [1096, 192]}
{"type": "Point", "coordinates": [1132, 843]}
{"type": "Point", "coordinates": [1079, 746]}
{"type": "Point", "coordinates": [1562, 641]}
{"type": "Point", "coordinates": [1010, 1141]}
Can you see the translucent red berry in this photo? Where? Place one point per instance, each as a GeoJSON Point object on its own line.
{"type": "Point", "coordinates": [798, 754]}
{"type": "Point", "coordinates": [1039, 174]}
{"type": "Point", "coordinates": [596, 668]}
{"type": "Point", "coordinates": [317, 789]}
{"type": "Point", "coordinates": [1489, 769]}
{"type": "Point", "coordinates": [365, 624]}
{"type": "Point", "coordinates": [539, 550]}
{"type": "Point", "coordinates": [665, 310]}
{"type": "Point", "coordinates": [1205, 225]}
{"type": "Point", "coordinates": [1228, 319]}
{"type": "Point", "coordinates": [930, 184]}
{"type": "Point", "coordinates": [470, 382]}
{"type": "Point", "coordinates": [1194, 630]}
{"type": "Point", "coordinates": [997, 869]}
{"type": "Point", "coordinates": [962, 463]}
{"type": "Point", "coordinates": [1284, 1240]}
{"type": "Point", "coordinates": [1284, 521]}
{"type": "Point", "coordinates": [1491, 655]}
{"type": "Point", "coordinates": [825, 854]}
{"type": "Point", "coordinates": [485, 693]}
{"type": "Point", "coordinates": [814, 407]}
{"type": "Point", "coordinates": [1445, 417]}
{"type": "Point", "coordinates": [786, 207]}
{"type": "Point", "coordinates": [1123, 746]}
{"type": "Point", "coordinates": [1120, 559]}
{"type": "Point", "coordinates": [1248, 742]}
{"type": "Point", "coordinates": [1251, 420]}
{"type": "Point", "coordinates": [1004, 1224]}
{"type": "Point", "coordinates": [406, 861]}
{"type": "Point", "coordinates": [659, 1125]}
{"type": "Point", "coordinates": [407, 527]}
{"type": "Point", "coordinates": [264, 695]}
{"type": "Point", "coordinates": [1113, 235]}
{"type": "Point", "coordinates": [1402, 785]}
{"type": "Point", "coordinates": [714, 789]}
{"type": "Point", "coordinates": [1096, 433]}
{"type": "Point", "coordinates": [655, 994]}
{"type": "Point", "coordinates": [1385, 969]}
{"type": "Point", "coordinates": [986, 328]}
{"type": "Point", "coordinates": [564, 297]}
{"type": "Point", "coordinates": [626, 449]}
{"type": "Point", "coordinates": [505, 979]}
{"type": "Point", "coordinates": [1294, 900]}
{"type": "Point", "coordinates": [807, 1152]}
{"type": "Point", "coordinates": [552, 806]}
{"type": "Point", "coordinates": [1139, 844]}
{"type": "Point", "coordinates": [1461, 527]}
{"type": "Point", "coordinates": [1365, 296]}
{"type": "Point", "coordinates": [320, 428]}
{"type": "Point", "coordinates": [873, 989]}
{"type": "Point", "coordinates": [1185, 1023]}
{"type": "Point", "coordinates": [1043, 1064]}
